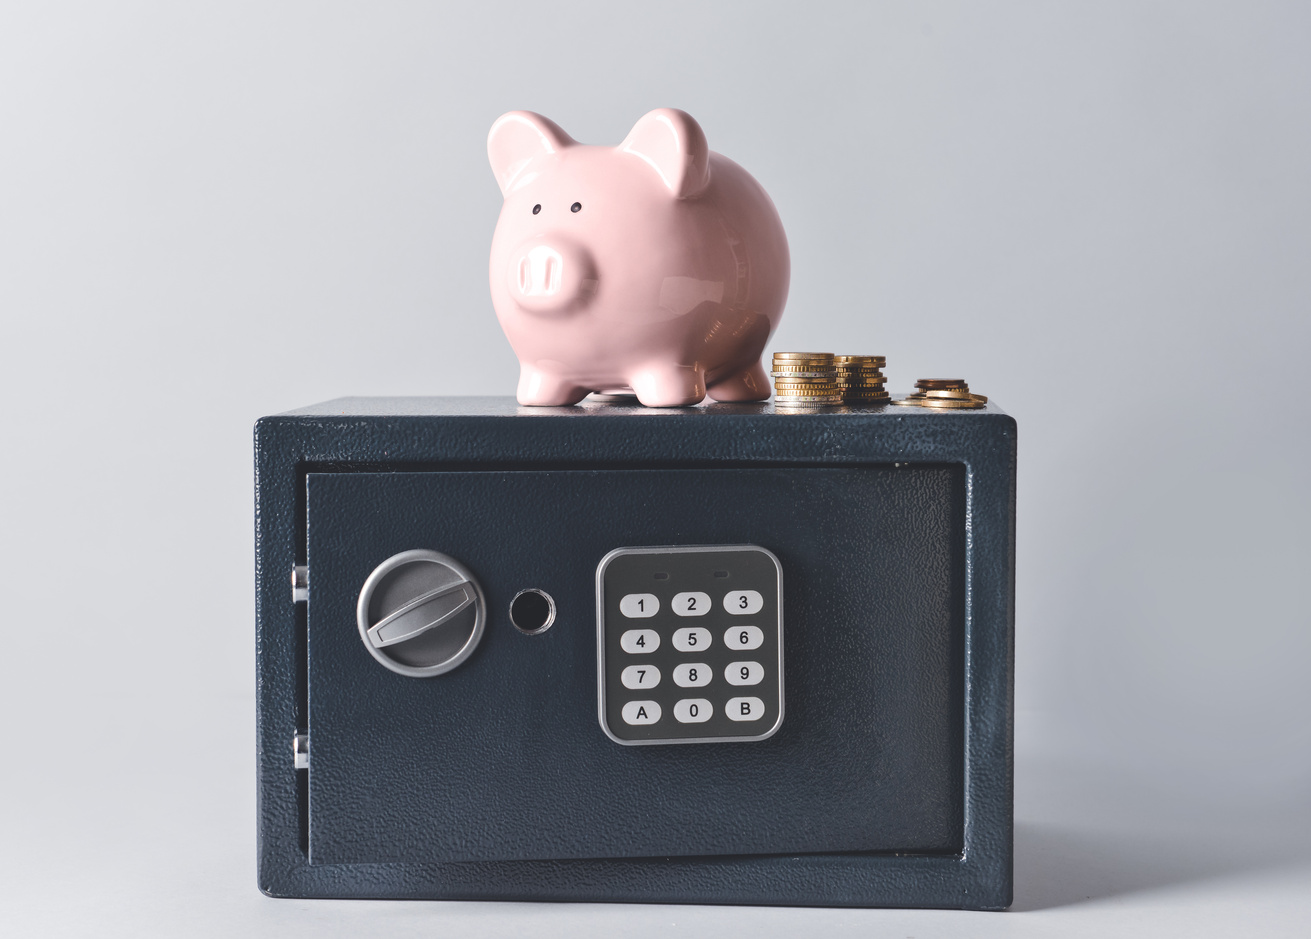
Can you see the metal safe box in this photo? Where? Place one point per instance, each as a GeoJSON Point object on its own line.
{"type": "Point", "coordinates": [723, 654]}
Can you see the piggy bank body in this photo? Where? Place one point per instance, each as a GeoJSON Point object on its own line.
{"type": "Point", "coordinates": [656, 266]}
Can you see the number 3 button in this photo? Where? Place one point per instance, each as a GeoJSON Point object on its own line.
{"type": "Point", "coordinates": [741, 637]}
{"type": "Point", "coordinates": [743, 602]}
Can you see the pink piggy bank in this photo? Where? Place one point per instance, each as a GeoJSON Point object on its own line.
{"type": "Point", "coordinates": [656, 267]}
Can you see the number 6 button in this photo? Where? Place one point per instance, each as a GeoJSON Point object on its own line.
{"type": "Point", "coordinates": [740, 637]}
{"type": "Point", "coordinates": [694, 640]}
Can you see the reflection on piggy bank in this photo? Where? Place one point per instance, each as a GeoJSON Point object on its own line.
{"type": "Point", "coordinates": [656, 266]}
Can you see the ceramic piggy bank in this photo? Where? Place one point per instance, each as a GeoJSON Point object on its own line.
{"type": "Point", "coordinates": [656, 267]}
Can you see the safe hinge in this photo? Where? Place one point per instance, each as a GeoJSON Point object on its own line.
{"type": "Point", "coordinates": [300, 750]}
{"type": "Point", "coordinates": [300, 583]}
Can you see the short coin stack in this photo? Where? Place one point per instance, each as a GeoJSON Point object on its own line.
{"type": "Point", "coordinates": [805, 379]}
{"type": "Point", "coordinates": [859, 378]}
{"type": "Point", "coordinates": [945, 393]}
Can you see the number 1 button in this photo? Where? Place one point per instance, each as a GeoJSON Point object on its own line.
{"type": "Point", "coordinates": [743, 602]}
{"type": "Point", "coordinates": [639, 605]}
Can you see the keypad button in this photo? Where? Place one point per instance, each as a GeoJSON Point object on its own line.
{"type": "Point", "coordinates": [743, 602]}
{"type": "Point", "coordinates": [693, 675]}
{"type": "Point", "coordinates": [691, 604]}
{"type": "Point", "coordinates": [641, 712]}
{"type": "Point", "coordinates": [638, 641]}
{"type": "Point", "coordinates": [693, 711]}
{"type": "Point", "coordinates": [741, 637]}
{"type": "Point", "coordinates": [739, 673]}
{"type": "Point", "coordinates": [744, 709]}
{"type": "Point", "coordinates": [641, 676]}
{"type": "Point", "coordinates": [639, 605]}
{"type": "Point", "coordinates": [693, 640]}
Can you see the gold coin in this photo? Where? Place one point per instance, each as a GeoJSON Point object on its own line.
{"type": "Point", "coordinates": [942, 384]}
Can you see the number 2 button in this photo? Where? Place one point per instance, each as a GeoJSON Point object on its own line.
{"type": "Point", "coordinates": [743, 602]}
{"type": "Point", "coordinates": [691, 604]}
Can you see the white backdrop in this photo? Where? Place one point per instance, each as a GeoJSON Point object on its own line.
{"type": "Point", "coordinates": [1098, 214]}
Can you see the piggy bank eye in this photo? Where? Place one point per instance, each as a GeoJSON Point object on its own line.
{"type": "Point", "coordinates": [537, 208]}
{"type": "Point", "coordinates": [575, 207]}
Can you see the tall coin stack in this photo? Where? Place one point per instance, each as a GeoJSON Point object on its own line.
{"type": "Point", "coordinates": [859, 378]}
{"type": "Point", "coordinates": [949, 393]}
{"type": "Point", "coordinates": [805, 379]}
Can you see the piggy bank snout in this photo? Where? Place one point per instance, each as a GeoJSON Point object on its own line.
{"type": "Point", "coordinates": [551, 276]}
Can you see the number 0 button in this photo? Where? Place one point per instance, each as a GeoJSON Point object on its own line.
{"type": "Point", "coordinates": [741, 637]}
{"type": "Point", "coordinates": [691, 604]}
{"type": "Point", "coordinates": [693, 711]}
{"type": "Point", "coordinates": [637, 641]}
{"type": "Point", "coordinates": [642, 676]}
{"type": "Point", "coordinates": [743, 602]}
{"type": "Point", "coordinates": [639, 605]}
{"type": "Point", "coordinates": [693, 640]}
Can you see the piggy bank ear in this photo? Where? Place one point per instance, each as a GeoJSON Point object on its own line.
{"type": "Point", "coordinates": [518, 138]}
{"type": "Point", "coordinates": [675, 147]}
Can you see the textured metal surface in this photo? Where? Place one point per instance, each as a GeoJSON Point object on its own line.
{"type": "Point", "coordinates": [415, 435]}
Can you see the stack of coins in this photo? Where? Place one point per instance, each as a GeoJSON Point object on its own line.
{"type": "Point", "coordinates": [942, 393]}
{"type": "Point", "coordinates": [805, 379]}
{"type": "Point", "coordinates": [860, 379]}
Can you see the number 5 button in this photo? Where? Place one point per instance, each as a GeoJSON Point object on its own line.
{"type": "Point", "coordinates": [743, 602]}
{"type": "Point", "coordinates": [740, 637]}
{"type": "Point", "coordinates": [691, 604]}
{"type": "Point", "coordinates": [694, 640]}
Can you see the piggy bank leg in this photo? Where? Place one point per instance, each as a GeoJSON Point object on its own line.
{"type": "Point", "coordinates": [749, 385]}
{"type": "Point", "coordinates": [544, 389]}
{"type": "Point", "coordinates": [669, 386]}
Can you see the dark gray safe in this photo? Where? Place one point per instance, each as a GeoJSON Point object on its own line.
{"type": "Point", "coordinates": [721, 654]}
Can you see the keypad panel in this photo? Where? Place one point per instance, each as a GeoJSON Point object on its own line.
{"type": "Point", "coordinates": [735, 639]}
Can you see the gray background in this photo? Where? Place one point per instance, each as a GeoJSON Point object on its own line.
{"type": "Point", "coordinates": [1099, 214]}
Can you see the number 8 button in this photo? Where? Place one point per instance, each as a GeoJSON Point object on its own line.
{"type": "Point", "coordinates": [740, 637]}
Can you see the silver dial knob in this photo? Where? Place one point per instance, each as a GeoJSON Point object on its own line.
{"type": "Point", "coordinates": [421, 613]}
